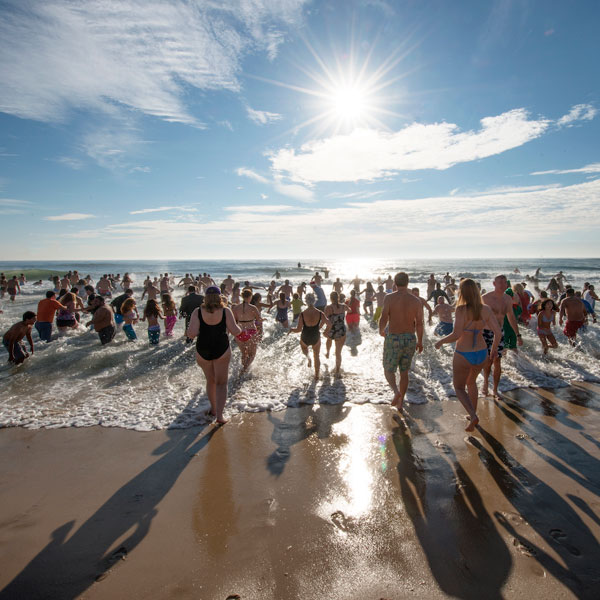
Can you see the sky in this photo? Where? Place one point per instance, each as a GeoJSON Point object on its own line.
{"type": "Point", "coordinates": [137, 129]}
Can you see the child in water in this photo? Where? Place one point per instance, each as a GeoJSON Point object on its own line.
{"type": "Point", "coordinates": [130, 318]}
{"type": "Point", "coordinates": [152, 313]}
{"type": "Point", "coordinates": [170, 310]}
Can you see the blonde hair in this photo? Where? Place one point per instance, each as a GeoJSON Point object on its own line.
{"type": "Point", "coordinates": [470, 297]}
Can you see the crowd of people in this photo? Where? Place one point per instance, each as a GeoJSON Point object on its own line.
{"type": "Point", "coordinates": [481, 325]}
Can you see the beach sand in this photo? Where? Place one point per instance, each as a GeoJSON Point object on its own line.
{"type": "Point", "coordinates": [325, 501]}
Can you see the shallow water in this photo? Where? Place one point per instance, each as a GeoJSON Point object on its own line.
{"type": "Point", "coordinates": [73, 381]}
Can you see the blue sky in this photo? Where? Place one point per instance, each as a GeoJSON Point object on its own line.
{"type": "Point", "coordinates": [290, 128]}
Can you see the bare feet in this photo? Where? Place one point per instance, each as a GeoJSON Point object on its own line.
{"type": "Point", "coordinates": [397, 401]}
{"type": "Point", "coordinates": [497, 394]}
{"type": "Point", "coordinates": [474, 422]}
{"type": "Point", "coordinates": [222, 421]}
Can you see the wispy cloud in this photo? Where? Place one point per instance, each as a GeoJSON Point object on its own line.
{"type": "Point", "coordinates": [579, 112]}
{"type": "Point", "coordinates": [140, 170]}
{"type": "Point", "coordinates": [262, 117]}
{"type": "Point", "coordinates": [13, 206]}
{"type": "Point", "coordinates": [244, 172]}
{"type": "Point", "coordinates": [70, 162]}
{"type": "Point", "coordinates": [355, 195]}
{"type": "Point", "coordinates": [592, 168]}
{"type": "Point", "coordinates": [144, 54]}
{"type": "Point", "coordinates": [143, 211]}
{"type": "Point", "coordinates": [70, 217]}
{"type": "Point", "coordinates": [260, 208]}
{"type": "Point", "coordinates": [368, 154]}
{"type": "Point", "coordinates": [299, 192]}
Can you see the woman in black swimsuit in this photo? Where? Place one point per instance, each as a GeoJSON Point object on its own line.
{"type": "Point", "coordinates": [210, 323]}
{"type": "Point", "coordinates": [310, 322]}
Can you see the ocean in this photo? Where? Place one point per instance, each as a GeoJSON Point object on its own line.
{"type": "Point", "coordinates": [73, 381]}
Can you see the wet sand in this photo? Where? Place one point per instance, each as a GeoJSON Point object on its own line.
{"type": "Point", "coordinates": [322, 501]}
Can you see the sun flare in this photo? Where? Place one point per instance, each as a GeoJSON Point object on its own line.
{"type": "Point", "coordinates": [349, 102]}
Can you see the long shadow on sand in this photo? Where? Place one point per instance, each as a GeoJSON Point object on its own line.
{"type": "Point", "coordinates": [466, 554]}
{"type": "Point", "coordinates": [294, 426]}
{"type": "Point", "coordinates": [541, 509]}
{"type": "Point", "coordinates": [65, 568]}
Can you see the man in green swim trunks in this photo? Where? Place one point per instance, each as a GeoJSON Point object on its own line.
{"type": "Point", "coordinates": [404, 313]}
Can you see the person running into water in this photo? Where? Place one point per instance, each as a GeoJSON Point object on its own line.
{"type": "Point", "coordinates": [369, 293]}
{"type": "Point", "coordinates": [257, 302]}
{"type": "Point", "coordinates": [335, 312]}
{"type": "Point", "coordinates": [297, 305]}
{"type": "Point", "coordinates": [12, 338]}
{"type": "Point", "coordinates": [65, 317]}
{"type": "Point", "coordinates": [502, 306]}
{"type": "Point", "coordinates": [46, 310]}
{"type": "Point", "coordinates": [153, 315]}
{"type": "Point", "coordinates": [170, 311]}
{"type": "Point", "coordinates": [574, 309]}
{"type": "Point", "coordinates": [379, 298]}
{"type": "Point", "coordinates": [471, 353]}
{"type": "Point", "coordinates": [416, 292]}
{"type": "Point", "coordinates": [210, 324]}
{"type": "Point", "coordinates": [310, 322]}
{"type": "Point", "coordinates": [353, 316]}
{"type": "Point", "coordinates": [281, 310]}
{"type": "Point", "coordinates": [545, 319]}
{"type": "Point", "coordinates": [246, 316]}
{"type": "Point", "coordinates": [130, 318]}
{"type": "Point", "coordinates": [444, 312]}
{"type": "Point", "coordinates": [13, 288]}
{"type": "Point", "coordinates": [404, 313]}
{"type": "Point", "coordinates": [103, 320]}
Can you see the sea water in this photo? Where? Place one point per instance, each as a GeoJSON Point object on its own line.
{"type": "Point", "coordinates": [74, 381]}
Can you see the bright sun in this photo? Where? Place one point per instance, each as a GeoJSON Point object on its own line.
{"type": "Point", "coordinates": [349, 103]}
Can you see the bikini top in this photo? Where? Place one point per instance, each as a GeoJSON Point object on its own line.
{"type": "Point", "coordinates": [475, 332]}
{"type": "Point", "coordinates": [549, 320]}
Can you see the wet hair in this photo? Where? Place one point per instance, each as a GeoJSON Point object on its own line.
{"type": "Point", "coordinates": [256, 298]}
{"type": "Point", "coordinates": [401, 279]}
{"type": "Point", "coordinates": [545, 302]}
{"type": "Point", "coordinates": [469, 296]}
{"type": "Point", "coordinates": [152, 309]}
{"type": "Point", "coordinates": [212, 302]}
{"type": "Point", "coordinates": [28, 315]}
{"type": "Point", "coordinates": [66, 298]}
{"type": "Point", "coordinates": [247, 293]}
{"type": "Point", "coordinates": [167, 302]}
{"type": "Point", "coordinates": [310, 299]}
{"type": "Point", "coordinates": [50, 294]}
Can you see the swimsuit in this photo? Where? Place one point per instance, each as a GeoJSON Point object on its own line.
{"type": "Point", "coordinates": [338, 327]}
{"type": "Point", "coordinates": [444, 328]}
{"type": "Point", "coordinates": [398, 350]}
{"type": "Point", "coordinates": [488, 336]}
{"type": "Point", "coordinates": [282, 314]}
{"type": "Point", "coordinates": [65, 318]}
{"type": "Point", "coordinates": [571, 328]}
{"type": "Point", "coordinates": [475, 357]}
{"type": "Point", "coordinates": [354, 315]}
{"type": "Point", "coordinates": [378, 312]}
{"type": "Point", "coordinates": [310, 333]}
{"type": "Point", "coordinates": [170, 321]}
{"type": "Point", "coordinates": [544, 330]}
{"type": "Point", "coordinates": [212, 340]}
{"type": "Point", "coordinates": [106, 334]}
{"type": "Point", "coordinates": [154, 334]}
{"type": "Point", "coordinates": [18, 351]}
{"type": "Point", "coordinates": [129, 331]}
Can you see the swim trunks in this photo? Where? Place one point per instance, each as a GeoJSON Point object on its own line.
{"type": "Point", "coordinates": [378, 312]}
{"type": "Point", "coordinates": [352, 318]}
{"type": "Point", "coordinates": [44, 330]}
{"type": "Point", "coordinates": [154, 334]}
{"type": "Point", "coordinates": [443, 328]}
{"type": "Point", "coordinates": [398, 351]}
{"type": "Point", "coordinates": [571, 328]}
{"type": "Point", "coordinates": [246, 335]}
{"type": "Point", "coordinates": [488, 336]}
{"type": "Point", "coordinates": [106, 334]}
{"type": "Point", "coordinates": [19, 352]}
{"type": "Point", "coordinates": [118, 318]}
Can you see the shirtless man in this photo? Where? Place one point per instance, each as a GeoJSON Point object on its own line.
{"type": "Point", "coordinates": [206, 280]}
{"type": "Point", "coordinates": [301, 290]}
{"type": "Point", "coordinates": [379, 298]}
{"type": "Point", "coordinates": [356, 283]}
{"type": "Point", "coordinates": [12, 338]}
{"type": "Point", "coordinates": [574, 309]}
{"type": "Point", "coordinates": [228, 283]}
{"type": "Point", "coordinates": [65, 282]}
{"type": "Point", "coordinates": [164, 286]}
{"type": "Point", "coordinates": [444, 312]}
{"type": "Point", "coordinates": [501, 305]}
{"type": "Point", "coordinates": [404, 312]}
{"type": "Point", "coordinates": [286, 289]}
{"type": "Point", "coordinates": [317, 279]}
{"type": "Point", "coordinates": [104, 286]}
{"type": "Point", "coordinates": [447, 278]}
{"type": "Point", "coordinates": [388, 284]}
{"type": "Point", "coordinates": [415, 292]}
{"type": "Point", "coordinates": [13, 288]}
{"type": "Point", "coordinates": [151, 290]}
{"type": "Point", "coordinates": [431, 284]}
{"type": "Point", "coordinates": [103, 320]}
{"type": "Point", "coordinates": [185, 281]}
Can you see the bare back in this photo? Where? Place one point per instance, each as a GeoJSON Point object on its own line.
{"type": "Point", "coordinates": [500, 305]}
{"type": "Point", "coordinates": [403, 310]}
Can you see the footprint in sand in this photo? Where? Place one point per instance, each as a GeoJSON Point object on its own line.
{"type": "Point", "coordinates": [514, 518]}
{"type": "Point", "coordinates": [441, 446]}
{"type": "Point", "coordinates": [560, 537]}
{"type": "Point", "coordinates": [340, 520]}
{"type": "Point", "coordinates": [523, 548]}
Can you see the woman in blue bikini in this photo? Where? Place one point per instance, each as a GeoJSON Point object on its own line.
{"type": "Point", "coordinates": [470, 355]}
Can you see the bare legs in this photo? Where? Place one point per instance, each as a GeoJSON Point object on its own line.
{"type": "Point", "coordinates": [465, 376]}
{"type": "Point", "coordinates": [216, 373]}
{"type": "Point", "coordinates": [486, 376]}
{"type": "Point", "coordinates": [399, 390]}
{"type": "Point", "coordinates": [548, 341]}
{"type": "Point", "coordinates": [339, 344]}
{"type": "Point", "coordinates": [316, 349]}
{"type": "Point", "coordinates": [248, 351]}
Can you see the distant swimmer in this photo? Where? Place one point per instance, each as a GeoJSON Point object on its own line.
{"type": "Point", "coordinates": [318, 279]}
{"type": "Point", "coordinates": [501, 305]}
{"type": "Point", "coordinates": [185, 281]}
{"type": "Point", "coordinates": [444, 312]}
{"type": "Point", "coordinates": [210, 324]}
{"type": "Point", "coordinates": [379, 298]}
{"type": "Point", "coordinates": [103, 320]}
{"type": "Point", "coordinates": [276, 275]}
{"type": "Point", "coordinates": [282, 307]}
{"type": "Point", "coordinates": [247, 316]}
{"type": "Point", "coordinates": [126, 283]}
{"type": "Point", "coordinates": [389, 284]}
{"type": "Point", "coordinates": [12, 339]}
{"type": "Point", "coordinates": [353, 316]}
{"type": "Point", "coordinates": [286, 289]}
{"type": "Point", "coordinates": [416, 292]}
{"type": "Point", "coordinates": [335, 312]}
{"type": "Point", "coordinates": [301, 290]}
{"type": "Point", "coordinates": [299, 265]}
{"type": "Point", "coordinates": [546, 318]}
{"type": "Point", "coordinates": [104, 286]}
{"type": "Point", "coordinates": [151, 290]}
{"type": "Point", "coordinates": [228, 282]}
{"type": "Point", "coordinates": [165, 287]}
{"type": "Point", "coordinates": [310, 322]}
{"type": "Point", "coordinates": [403, 314]}
{"type": "Point", "coordinates": [574, 309]}
{"type": "Point", "coordinates": [13, 288]}
{"type": "Point", "coordinates": [22, 279]}
{"type": "Point", "coordinates": [369, 293]}
{"type": "Point", "coordinates": [471, 353]}
{"type": "Point", "coordinates": [447, 278]}
{"type": "Point", "coordinates": [356, 283]}
{"type": "Point", "coordinates": [338, 286]}
{"type": "Point", "coordinates": [436, 293]}
{"type": "Point", "coordinates": [431, 284]}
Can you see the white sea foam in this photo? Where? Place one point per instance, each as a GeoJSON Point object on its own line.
{"type": "Point", "coordinates": [73, 381]}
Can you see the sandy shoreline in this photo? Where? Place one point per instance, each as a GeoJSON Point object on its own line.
{"type": "Point", "coordinates": [321, 501]}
